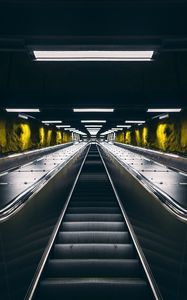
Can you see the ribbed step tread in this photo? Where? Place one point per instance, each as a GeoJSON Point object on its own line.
{"type": "Point", "coordinates": [93, 217]}
{"type": "Point", "coordinates": [93, 251]}
{"type": "Point", "coordinates": [94, 288]}
{"type": "Point", "coordinates": [93, 237]}
{"type": "Point", "coordinates": [93, 268]}
{"type": "Point", "coordinates": [93, 226]}
{"type": "Point", "coordinates": [99, 210]}
{"type": "Point", "coordinates": [91, 197]}
{"type": "Point", "coordinates": [93, 204]}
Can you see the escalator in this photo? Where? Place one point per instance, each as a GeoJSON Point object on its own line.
{"type": "Point", "coordinates": [93, 255]}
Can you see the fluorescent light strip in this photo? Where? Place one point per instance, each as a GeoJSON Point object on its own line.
{"type": "Point", "coordinates": [164, 117]}
{"type": "Point", "coordinates": [70, 129]}
{"type": "Point", "coordinates": [22, 110]}
{"type": "Point", "coordinates": [22, 116]}
{"type": "Point", "coordinates": [93, 121]}
{"type": "Point", "coordinates": [99, 55]}
{"type": "Point", "coordinates": [52, 122]}
{"type": "Point", "coordinates": [135, 122]}
{"type": "Point", "coordinates": [124, 126]}
{"type": "Point", "coordinates": [117, 129]}
{"type": "Point", "coordinates": [164, 110]}
{"type": "Point", "coordinates": [63, 126]}
{"type": "Point", "coordinates": [93, 109]}
{"type": "Point", "coordinates": [92, 126]}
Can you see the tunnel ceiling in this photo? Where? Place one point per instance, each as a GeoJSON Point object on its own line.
{"type": "Point", "coordinates": [129, 87]}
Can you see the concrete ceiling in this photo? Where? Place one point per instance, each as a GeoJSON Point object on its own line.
{"type": "Point", "coordinates": [129, 87]}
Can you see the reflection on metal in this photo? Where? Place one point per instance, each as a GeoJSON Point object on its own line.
{"type": "Point", "coordinates": [19, 201]}
{"type": "Point", "coordinates": [150, 278]}
{"type": "Point", "coordinates": [166, 200]}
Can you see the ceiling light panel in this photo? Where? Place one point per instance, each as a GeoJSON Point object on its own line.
{"type": "Point", "coordinates": [93, 55]}
{"type": "Point", "coordinates": [91, 126]}
{"type": "Point", "coordinates": [93, 109]}
{"type": "Point", "coordinates": [135, 122]}
{"type": "Point", "coordinates": [93, 121]}
{"type": "Point", "coordinates": [19, 110]}
{"type": "Point", "coordinates": [52, 122]}
{"type": "Point", "coordinates": [164, 110]}
{"type": "Point", "coordinates": [164, 116]}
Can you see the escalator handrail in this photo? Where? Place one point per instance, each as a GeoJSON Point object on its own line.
{"type": "Point", "coordinates": [41, 265]}
{"type": "Point", "coordinates": [168, 202]}
{"type": "Point", "coordinates": [145, 265]}
{"type": "Point", "coordinates": [19, 201]}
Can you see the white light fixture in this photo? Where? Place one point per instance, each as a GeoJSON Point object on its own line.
{"type": "Point", "coordinates": [93, 109]}
{"type": "Point", "coordinates": [135, 122]}
{"type": "Point", "coordinates": [164, 116]}
{"type": "Point", "coordinates": [22, 116]}
{"type": "Point", "coordinates": [91, 126]}
{"type": "Point", "coordinates": [92, 55]}
{"type": "Point", "coordinates": [93, 121]}
{"type": "Point", "coordinates": [164, 110]}
{"type": "Point", "coordinates": [70, 129]}
{"type": "Point", "coordinates": [19, 110]}
{"type": "Point", "coordinates": [63, 126]}
{"type": "Point", "coordinates": [124, 126]}
{"type": "Point", "coordinates": [52, 122]}
{"type": "Point", "coordinates": [117, 128]}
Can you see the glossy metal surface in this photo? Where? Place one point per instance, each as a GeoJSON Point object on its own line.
{"type": "Point", "coordinates": [171, 160]}
{"type": "Point", "coordinates": [15, 182]}
{"type": "Point", "coordinates": [169, 181]}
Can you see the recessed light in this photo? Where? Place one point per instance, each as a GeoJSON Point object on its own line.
{"type": "Point", "coordinates": [164, 110]}
{"type": "Point", "coordinates": [117, 128]}
{"type": "Point", "coordinates": [135, 122]}
{"type": "Point", "coordinates": [92, 55]}
{"type": "Point", "coordinates": [63, 126]}
{"type": "Point", "coordinates": [93, 121]}
{"type": "Point", "coordinates": [22, 110]}
{"type": "Point", "coordinates": [93, 109]}
{"type": "Point", "coordinates": [22, 116]}
{"type": "Point", "coordinates": [91, 126]}
{"type": "Point", "coordinates": [52, 122]}
{"type": "Point", "coordinates": [124, 126]}
{"type": "Point", "coordinates": [164, 116]}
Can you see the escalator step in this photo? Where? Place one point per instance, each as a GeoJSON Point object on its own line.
{"type": "Point", "coordinates": [93, 226]}
{"type": "Point", "coordinates": [93, 268]}
{"type": "Point", "coordinates": [93, 237]}
{"type": "Point", "coordinates": [93, 204]}
{"type": "Point", "coordinates": [91, 197]}
{"type": "Point", "coordinates": [93, 251]}
{"type": "Point", "coordinates": [94, 288]}
{"type": "Point", "coordinates": [93, 217]}
{"type": "Point", "coordinates": [101, 210]}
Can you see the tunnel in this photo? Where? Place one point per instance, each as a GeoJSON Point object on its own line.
{"type": "Point", "coordinates": [93, 150]}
